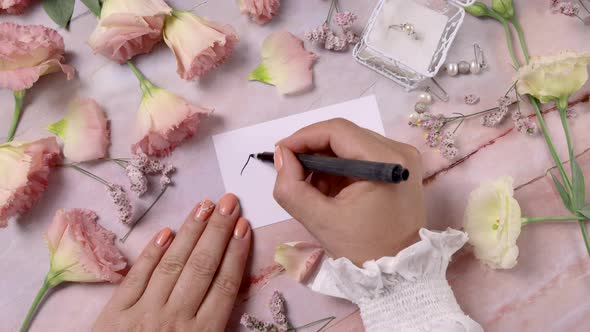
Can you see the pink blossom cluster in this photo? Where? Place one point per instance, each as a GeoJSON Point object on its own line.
{"type": "Point", "coordinates": [278, 312]}
{"type": "Point", "coordinates": [436, 138]}
{"type": "Point", "coordinates": [495, 118]}
{"type": "Point", "coordinates": [447, 146]}
{"type": "Point", "coordinates": [565, 7]}
{"type": "Point", "coordinates": [257, 325]}
{"type": "Point", "coordinates": [345, 20]}
{"type": "Point", "coordinates": [121, 200]}
{"type": "Point", "coordinates": [141, 166]}
{"type": "Point", "coordinates": [328, 39]}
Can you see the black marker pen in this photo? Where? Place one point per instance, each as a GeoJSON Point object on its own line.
{"type": "Point", "coordinates": [359, 169]}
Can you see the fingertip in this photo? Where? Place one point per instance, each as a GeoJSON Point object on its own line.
{"type": "Point", "coordinates": [242, 229]}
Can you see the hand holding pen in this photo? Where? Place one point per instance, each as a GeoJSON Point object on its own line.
{"type": "Point", "coordinates": [344, 213]}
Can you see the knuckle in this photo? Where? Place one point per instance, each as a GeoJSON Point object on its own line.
{"type": "Point", "coordinates": [171, 265]}
{"type": "Point", "coordinates": [149, 256]}
{"type": "Point", "coordinates": [279, 193]}
{"type": "Point", "coordinates": [204, 264]}
{"type": "Point", "coordinates": [341, 122]}
{"type": "Point", "coordinates": [227, 286]}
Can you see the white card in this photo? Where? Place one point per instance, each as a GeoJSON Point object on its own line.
{"type": "Point", "coordinates": [255, 187]}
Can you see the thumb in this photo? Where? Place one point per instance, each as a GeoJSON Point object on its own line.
{"type": "Point", "coordinates": [299, 198]}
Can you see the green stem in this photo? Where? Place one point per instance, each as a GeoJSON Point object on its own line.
{"type": "Point", "coordinates": [585, 235]}
{"type": "Point", "coordinates": [88, 174]}
{"type": "Point", "coordinates": [144, 83]}
{"type": "Point", "coordinates": [584, 6]}
{"type": "Point", "coordinates": [44, 288]}
{"type": "Point", "coordinates": [521, 39]}
{"type": "Point", "coordinates": [570, 146]}
{"type": "Point", "coordinates": [531, 220]}
{"type": "Point", "coordinates": [18, 105]}
{"type": "Point", "coordinates": [491, 13]}
{"type": "Point", "coordinates": [124, 238]}
{"type": "Point", "coordinates": [550, 145]}
{"type": "Point", "coordinates": [453, 118]}
{"type": "Point", "coordinates": [328, 320]}
{"type": "Point", "coordinates": [51, 280]}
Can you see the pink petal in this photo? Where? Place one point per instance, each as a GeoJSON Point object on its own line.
{"type": "Point", "coordinates": [24, 172]}
{"type": "Point", "coordinates": [298, 258]}
{"type": "Point", "coordinates": [84, 131]}
{"type": "Point", "coordinates": [260, 11]}
{"type": "Point", "coordinates": [198, 44]}
{"type": "Point", "coordinates": [15, 7]}
{"type": "Point", "coordinates": [27, 53]}
{"type": "Point", "coordinates": [285, 64]}
{"type": "Point", "coordinates": [84, 251]}
{"type": "Point", "coordinates": [128, 28]}
{"type": "Point", "coordinates": [164, 120]}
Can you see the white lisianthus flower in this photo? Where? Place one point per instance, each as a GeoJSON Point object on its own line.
{"type": "Point", "coordinates": [493, 221]}
{"type": "Point", "coordinates": [555, 77]}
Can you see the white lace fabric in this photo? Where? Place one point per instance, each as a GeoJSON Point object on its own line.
{"type": "Point", "coordinates": [407, 293]}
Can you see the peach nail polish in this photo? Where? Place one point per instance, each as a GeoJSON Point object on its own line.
{"type": "Point", "coordinates": [278, 158]}
{"type": "Point", "coordinates": [227, 204]}
{"type": "Point", "coordinates": [163, 237]}
{"type": "Point", "coordinates": [204, 210]}
{"type": "Point", "coordinates": [241, 229]}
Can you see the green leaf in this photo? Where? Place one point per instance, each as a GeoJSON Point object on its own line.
{"type": "Point", "coordinates": [93, 5]}
{"type": "Point", "coordinates": [60, 11]}
{"type": "Point", "coordinates": [585, 211]}
{"type": "Point", "coordinates": [578, 184]}
{"type": "Point", "coordinates": [261, 74]}
{"type": "Point", "coordinates": [562, 192]}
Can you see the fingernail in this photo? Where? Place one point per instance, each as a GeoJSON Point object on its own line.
{"type": "Point", "coordinates": [278, 158]}
{"type": "Point", "coordinates": [204, 210]}
{"type": "Point", "coordinates": [227, 204]}
{"type": "Point", "coordinates": [241, 229]}
{"type": "Point", "coordinates": [163, 237]}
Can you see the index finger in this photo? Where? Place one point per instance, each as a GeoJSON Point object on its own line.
{"type": "Point", "coordinates": [342, 137]}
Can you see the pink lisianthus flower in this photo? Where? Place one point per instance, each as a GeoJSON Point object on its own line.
{"type": "Point", "coordinates": [128, 27]}
{"type": "Point", "coordinates": [84, 131]}
{"type": "Point", "coordinates": [164, 120]}
{"type": "Point", "coordinates": [285, 64]}
{"type": "Point", "coordinates": [298, 258]}
{"type": "Point", "coordinates": [198, 44]}
{"type": "Point", "coordinates": [28, 52]}
{"type": "Point", "coordinates": [15, 7]}
{"type": "Point", "coordinates": [82, 250]}
{"type": "Point", "coordinates": [24, 170]}
{"type": "Point", "coordinates": [260, 11]}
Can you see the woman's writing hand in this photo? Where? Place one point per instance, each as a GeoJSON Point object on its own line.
{"type": "Point", "coordinates": [360, 220]}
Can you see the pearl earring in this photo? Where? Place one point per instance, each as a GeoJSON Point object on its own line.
{"type": "Point", "coordinates": [425, 99]}
{"type": "Point", "coordinates": [474, 66]}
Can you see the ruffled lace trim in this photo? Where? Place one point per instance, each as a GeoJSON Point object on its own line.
{"type": "Point", "coordinates": [428, 258]}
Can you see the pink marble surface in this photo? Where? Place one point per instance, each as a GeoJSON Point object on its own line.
{"type": "Point", "coordinates": [547, 291]}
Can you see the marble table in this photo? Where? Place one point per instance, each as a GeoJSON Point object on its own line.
{"type": "Point", "coordinates": [547, 291]}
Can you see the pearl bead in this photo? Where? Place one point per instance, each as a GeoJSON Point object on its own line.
{"type": "Point", "coordinates": [420, 107]}
{"type": "Point", "coordinates": [414, 116]}
{"type": "Point", "coordinates": [452, 69]}
{"type": "Point", "coordinates": [474, 67]}
{"type": "Point", "coordinates": [409, 28]}
{"type": "Point", "coordinates": [425, 98]}
{"type": "Point", "coordinates": [463, 67]}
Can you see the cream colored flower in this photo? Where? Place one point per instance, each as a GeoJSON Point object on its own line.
{"type": "Point", "coordinates": [555, 77]}
{"type": "Point", "coordinates": [493, 221]}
